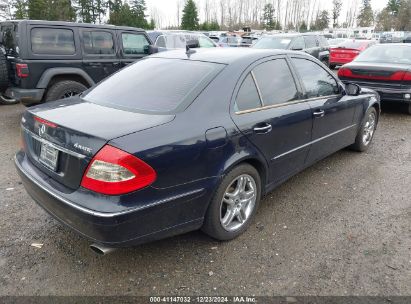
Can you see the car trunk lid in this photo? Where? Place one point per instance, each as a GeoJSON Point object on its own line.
{"type": "Point", "coordinates": [61, 138]}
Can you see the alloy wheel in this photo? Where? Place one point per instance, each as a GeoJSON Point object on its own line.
{"type": "Point", "coordinates": [369, 129]}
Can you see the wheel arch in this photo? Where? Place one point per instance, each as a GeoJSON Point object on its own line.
{"type": "Point", "coordinates": [54, 75]}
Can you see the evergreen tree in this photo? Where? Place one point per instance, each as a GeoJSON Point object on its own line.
{"type": "Point", "coordinates": [393, 6]}
{"type": "Point", "coordinates": [321, 22]}
{"type": "Point", "coordinates": [189, 20]}
{"type": "Point", "coordinates": [366, 16]}
{"type": "Point", "coordinates": [404, 16]}
{"type": "Point", "coordinates": [268, 17]}
{"type": "Point", "coordinates": [152, 24]}
{"type": "Point", "coordinates": [37, 9]}
{"type": "Point", "coordinates": [138, 8]}
{"type": "Point", "coordinates": [303, 27]}
{"type": "Point", "coordinates": [61, 10]}
{"type": "Point", "coordinates": [20, 9]}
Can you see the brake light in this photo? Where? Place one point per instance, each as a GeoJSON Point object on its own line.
{"type": "Point", "coordinates": [344, 72]}
{"type": "Point", "coordinates": [113, 172]}
{"type": "Point", "coordinates": [45, 122]}
{"type": "Point", "coordinates": [407, 77]}
{"type": "Point", "coordinates": [22, 70]}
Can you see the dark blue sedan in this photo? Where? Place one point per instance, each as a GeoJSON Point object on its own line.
{"type": "Point", "coordinates": [182, 141]}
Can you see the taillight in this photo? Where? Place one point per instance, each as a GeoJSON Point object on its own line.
{"type": "Point", "coordinates": [344, 72]}
{"type": "Point", "coordinates": [407, 77]}
{"type": "Point", "coordinates": [45, 122]}
{"type": "Point", "coordinates": [22, 70]}
{"type": "Point", "coordinates": [113, 171]}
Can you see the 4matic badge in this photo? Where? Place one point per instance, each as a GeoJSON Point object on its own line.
{"type": "Point", "coordinates": [83, 148]}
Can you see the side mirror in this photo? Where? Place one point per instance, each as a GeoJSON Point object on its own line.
{"type": "Point", "coordinates": [352, 89]}
{"type": "Point", "coordinates": [192, 44]}
{"type": "Point", "coordinates": [150, 49]}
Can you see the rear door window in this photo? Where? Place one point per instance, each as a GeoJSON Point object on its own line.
{"type": "Point", "coordinates": [247, 97]}
{"type": "Point", "coordinates": [133, 44]}
{"type": "Point", "coordinates": [317, 81]}
{"type": "Point", "coordinates": [98, 42]}
{"type": "Point", "coordinates": [275, 82]}
{"type": "Point", "coordinates": [155, 85]}
{"type": "Point", "coordinates": [52, 41]}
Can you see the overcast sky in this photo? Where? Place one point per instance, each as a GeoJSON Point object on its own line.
{"type": "Point", "coordinates": [167, 9]}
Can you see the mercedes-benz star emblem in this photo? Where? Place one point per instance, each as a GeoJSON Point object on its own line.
{"type": "Point", "coordinates": [42, 129]}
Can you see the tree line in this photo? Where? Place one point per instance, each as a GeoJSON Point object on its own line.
{"type": "Point", "coordinates": [300, 15]}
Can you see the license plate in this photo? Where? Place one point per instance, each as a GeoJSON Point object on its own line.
{"type": "Point", "coordinates": [49, 156]}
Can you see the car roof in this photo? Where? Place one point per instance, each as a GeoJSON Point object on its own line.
{"type": "Point", "coordinates": [76, 24]}
{"type": "Point", "coordinates": [224, 55]}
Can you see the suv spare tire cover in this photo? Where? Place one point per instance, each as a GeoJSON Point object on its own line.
{"type": "Point", "coordinates": [4, 74]}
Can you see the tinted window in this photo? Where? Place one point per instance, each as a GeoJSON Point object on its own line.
{"type": "Point", "coordinates": [52, 41]}
{"type": "Point", "coordinates": [247, 97]}
{"type": "Point", "coordinates": [386, 54]}
{"type": "Point", "coordinates": [161, 41]}
{"type": "Point", "coordinates": [275, 81]}
{"type": "Point", "coordinates": [98, 42]}
{"type": "Point", "coordinates": [134, 43]}
{"type": "Point", "coordinates": [310, 41]}
{"type": "Point", "coordinates": [154, 84]}
{"type": "Point", "coordinates": [316, 80]}
{"type": "Point", "coordinates": [298, 43]}
{"type": "Point", "coordinates": [175, 41]}
{"type": "Point", "coordinates": [273, 43]}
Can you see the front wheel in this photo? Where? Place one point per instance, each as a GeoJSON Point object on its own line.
{"type": "Point", "coordinates": [366, 131]}
{"type": "Point", "coordinates": [234, 203]}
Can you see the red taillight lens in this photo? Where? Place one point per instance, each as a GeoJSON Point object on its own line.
{"type": "Point", "coordinates": [114, 172]}
{"type": "Point", "coordinates": [45, 122]}
{"type": "Point", "coordinates": [407, 77]}
{"type": "Point", "coordinates": [22, 70]}
{"type": "Point", "coordinates": [344, 72]}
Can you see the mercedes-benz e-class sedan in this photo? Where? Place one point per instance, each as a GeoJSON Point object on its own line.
{"type": "Point", "coordinates": [187, 140]}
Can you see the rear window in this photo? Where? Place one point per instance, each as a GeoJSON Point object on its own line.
{"type": "Point", "coordinates": [386, 54]}
{"type": "Point", "coordinates": [154, 85]}
{"type": "Point", "coordinates": [52, 41]}
{"type": "Point", "coordinates": [352, 44]}
{"type": "Point", "coordinates": [273, 43]}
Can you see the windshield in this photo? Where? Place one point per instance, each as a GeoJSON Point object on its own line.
{"type": "Point", "coordinates": [273, 43]}
{"type": "Point", "coordinates": [154, 85]}
{"type": "Point", "coordinates": [386, 54]}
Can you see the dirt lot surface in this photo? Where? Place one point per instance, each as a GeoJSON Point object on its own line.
{"type": "Point", "coordinates": [341, 227]}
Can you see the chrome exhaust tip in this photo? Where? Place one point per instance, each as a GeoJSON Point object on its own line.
{"type": "Point", "coordinates": [101, 250]}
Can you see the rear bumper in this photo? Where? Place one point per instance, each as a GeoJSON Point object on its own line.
{"type": "Point", "coordinates": [386, 94]}
{"type": "Point", "coordinates": [25, 96]}
{"type": "Point", "coordinates": [340, 61]}
{"type": "Point", "coordinates": [124, 228]}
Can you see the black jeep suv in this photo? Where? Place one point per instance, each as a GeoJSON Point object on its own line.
{"type": "Point", "coordinates": [46, 60]}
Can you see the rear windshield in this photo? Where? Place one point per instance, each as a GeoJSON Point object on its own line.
{"type": "Point", "coordinates": [352, 44]}
{"type": "Point", "coordinates": [10, 36]}
{"type": "Point", "coordinates": [386, 54]}
{"type": "Point", "coordinates": [273, 43]}
{"type": "Point", "coordinates": [155, 85]}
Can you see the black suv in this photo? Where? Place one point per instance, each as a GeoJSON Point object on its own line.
{"type": "Point", "coordinates": [313, 44]}
{"type": "Point", "coordinates": [46, 60]}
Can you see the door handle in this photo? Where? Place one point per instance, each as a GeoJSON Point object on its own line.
{"type": "Point", "coordinates": [319, 113]}
{"type": "Point", "coordinates": [263, 129]}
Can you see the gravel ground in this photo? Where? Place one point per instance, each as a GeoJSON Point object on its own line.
{"type": "Point", "coordinates": [341, 227]}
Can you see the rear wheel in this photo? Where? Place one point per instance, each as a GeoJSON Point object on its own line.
{"type": "Point", "coordinates": [4, 80]}
{"type": "Point", "coordinates": [409, 109]}
{"type": "Point", "coordinates": [366, 131]}
{"type": "Point", "coordinates": [64, 89]}
{"type": "Point", "coordinates": [234, 203]}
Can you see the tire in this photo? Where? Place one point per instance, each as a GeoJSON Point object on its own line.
{"type": "Point", "coordinates": [332, 66]}
{"type": "Point", "coordinates": [4, 72]}
{"type": "Point", "coordinates": [366, 132]}
{"type": "Point", "coordinates": [64, 89]}
{"type": "Point", "coordinates": [219, 211]}
{"type": "Point", "coordinates": [408, 110]}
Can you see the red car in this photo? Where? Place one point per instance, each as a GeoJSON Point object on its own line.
{"type": "Point", "coordinates": [347, 51]}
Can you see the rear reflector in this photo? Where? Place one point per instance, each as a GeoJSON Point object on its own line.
{"type": "Point", "coordinates": [22, 70]}
{"type": "Point", "coordinates": [45, 122]}
{"type": "Point", "coordinates": [114, 172]}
